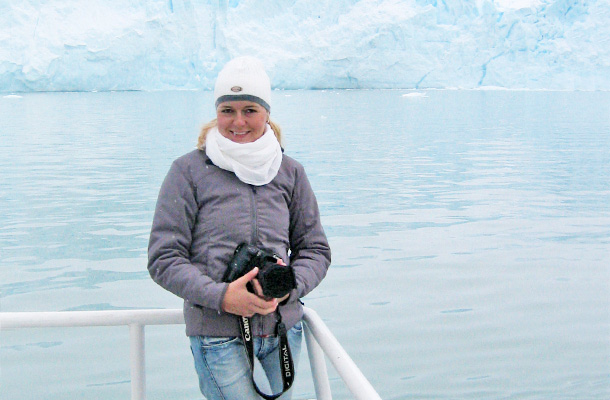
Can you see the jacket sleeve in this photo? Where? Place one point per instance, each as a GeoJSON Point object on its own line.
{"type": "Point", "coordinates": [310, 254]}
{"type": "Point", "coordinates": [170, 243]}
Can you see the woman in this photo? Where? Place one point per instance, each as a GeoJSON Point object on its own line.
{"type": "Point", "coordinates": [237, 187]}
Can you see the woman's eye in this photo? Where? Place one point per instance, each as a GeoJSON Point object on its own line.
{"type": "Point", "coordinates": [226, 111]}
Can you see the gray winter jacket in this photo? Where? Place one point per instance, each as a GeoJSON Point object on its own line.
{"type": "Point", "coordinates": [203, 213]}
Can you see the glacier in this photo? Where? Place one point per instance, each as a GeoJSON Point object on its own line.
{"type": "Point", "coordinates": [75, 45]}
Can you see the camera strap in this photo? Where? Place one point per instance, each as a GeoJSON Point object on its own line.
{"type": "Point", "coordinates": [285, 356]}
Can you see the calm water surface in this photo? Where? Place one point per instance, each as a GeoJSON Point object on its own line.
{"type": "Point", "coordinates": [470, 234]}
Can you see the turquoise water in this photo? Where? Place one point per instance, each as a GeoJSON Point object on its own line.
{"type": "Point", "coordinates": [470, 234]}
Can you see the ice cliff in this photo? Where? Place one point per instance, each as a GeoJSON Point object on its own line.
{"type": "Point", "coordinates": [63, 45]}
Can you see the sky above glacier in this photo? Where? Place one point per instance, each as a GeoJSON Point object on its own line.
{"type": "Point", "coordinates": [75, 45]}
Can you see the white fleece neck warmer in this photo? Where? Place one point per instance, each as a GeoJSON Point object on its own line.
{"type": "Point", "coordinates": [255, 163]}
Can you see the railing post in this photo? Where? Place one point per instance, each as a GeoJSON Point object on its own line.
{"type": "Point", "coordinates": [138, 364]}
{"type": "Point", "coordinates": [318, 366]}
{"type": "Point", "coordinates": [345, 366]}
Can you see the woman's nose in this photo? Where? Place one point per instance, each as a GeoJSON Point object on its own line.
{"type": "Point", "coordinates": [239, 119]}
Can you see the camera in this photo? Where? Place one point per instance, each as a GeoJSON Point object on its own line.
{"type": "Point", "coordinates": [276, 280]}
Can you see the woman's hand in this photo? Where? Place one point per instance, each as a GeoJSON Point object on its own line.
{"type": "Point", "coordinates": [238, 300]}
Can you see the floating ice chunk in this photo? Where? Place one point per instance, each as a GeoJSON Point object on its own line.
{"type": "Point", "coordinates": [12, 96]}
{"type": "Point", "coordinates": [415, 94]}
{"type": "Point", "coordinates": [491, 88]}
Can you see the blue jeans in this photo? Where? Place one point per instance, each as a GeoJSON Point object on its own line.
{"type": "Point", "coordinates": [223, 369]}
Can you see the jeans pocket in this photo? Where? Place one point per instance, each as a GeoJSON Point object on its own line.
{"type": "Point", "coordinates": [208, 342]}
{"type": "Point", "coordinates": [222, 365]}
{"type": "Point", "coordinates": [218, 354]}
{"type": "Point", "coordinates": [297, 328]}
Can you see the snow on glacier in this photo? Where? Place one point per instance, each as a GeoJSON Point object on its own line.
{"type": "Point", "coordinates": [61, 45]}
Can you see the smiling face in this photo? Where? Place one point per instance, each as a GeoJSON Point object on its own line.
{"type": "Point", "coordinates": [241, 121]}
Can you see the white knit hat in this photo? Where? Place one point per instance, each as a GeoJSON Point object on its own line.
{"type": "Point", "coordinates": [243, 78]}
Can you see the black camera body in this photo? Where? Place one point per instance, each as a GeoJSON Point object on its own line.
{"type": "Point", "coordinates": [275, 279]}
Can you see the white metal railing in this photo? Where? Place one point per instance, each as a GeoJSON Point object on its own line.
{"type": "Point", "coordinates": [320, 342]}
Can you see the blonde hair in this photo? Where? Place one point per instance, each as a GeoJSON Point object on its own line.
{"type": "Point", "coordinates": [213, 123]}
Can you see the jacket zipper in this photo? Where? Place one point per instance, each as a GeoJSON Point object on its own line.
{"type": "Point", "coordinates": [254, 237]}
